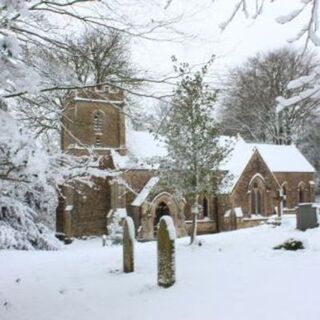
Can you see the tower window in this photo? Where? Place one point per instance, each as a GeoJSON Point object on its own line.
{"type": "Point", "coordinates": [97, 121]}
{"type": "Point", "coordinates": [98, 142]}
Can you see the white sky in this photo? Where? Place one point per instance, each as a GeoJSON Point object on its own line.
{"type": "Point", "coordinates": [201, 36]}
{"type": "Point", "coordinates": [243, 38]}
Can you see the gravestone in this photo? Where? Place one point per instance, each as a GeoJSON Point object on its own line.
{"type": "Point", "coordinates": [67, 219]}
{"type": "Point", "coordinates": [306, 216]}
{"type": "Point", "coordinates": [166, 252]}
{"type": "Point", "coordinates": [128, 245]}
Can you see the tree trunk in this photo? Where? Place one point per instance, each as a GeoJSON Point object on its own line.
{"type": "Point", "coordinates": [195, 213]}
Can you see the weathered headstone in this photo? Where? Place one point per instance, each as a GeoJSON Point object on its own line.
{"type": "Point", "coordinates": [128, 245]}
{"type": "Point", "coordinates": [166, 252]}
{"type": "Point", "coordinates": [306, 216]}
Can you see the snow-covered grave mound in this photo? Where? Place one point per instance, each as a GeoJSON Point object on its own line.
{"type": "Point", "coordinates": [233, 275]}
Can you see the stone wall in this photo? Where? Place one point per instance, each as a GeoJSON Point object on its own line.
{"type": "Point", "coordinates": [234, 223]}
{"type": "Point", "coordinates": [251, 222]}
{"type": "Point", "coordinates": [90, 206]}
{"type": "Point", "coordinates": [136, 179]}
{"type": "Point", "coordinates": [203, 226]}
{"type": "Point", "coordinates": [292, 180]}
{"type": "Point", "coordinates": [90, 209]}
{"type": "Point", "coordinates": [240, 196]}
{"type": "Point", "coordinates": [216, 208]}
{"type": "Point", "coordinates": [79, 120]}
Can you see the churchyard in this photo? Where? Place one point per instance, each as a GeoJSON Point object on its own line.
{"type": "Point", "coordinates": [232, 275]}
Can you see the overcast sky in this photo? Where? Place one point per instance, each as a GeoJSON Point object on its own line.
{"type": "Point", "coordinates": [243, 37]}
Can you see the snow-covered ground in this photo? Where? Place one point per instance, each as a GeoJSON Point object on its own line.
{"type": "Point", "coordinates": [233, 275]}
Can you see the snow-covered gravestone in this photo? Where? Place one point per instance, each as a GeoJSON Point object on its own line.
{"type": "Point", "coordinates": [128, 245]}
{"type": "Point", "coordinates": [166, 252]}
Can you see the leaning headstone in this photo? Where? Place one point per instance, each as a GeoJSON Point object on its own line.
{"type": "Point", "coordinates": [128, 245]}
{"type": "Point", "coordinates": [166, 252]}
{"type": "Point", "coordinates": [307, 216]}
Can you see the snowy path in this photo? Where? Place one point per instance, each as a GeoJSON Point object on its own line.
{"type": "Point", "coordinates": [234, 275]}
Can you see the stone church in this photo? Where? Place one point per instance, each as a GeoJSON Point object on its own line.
{"type": "Point", "coordinates": [261, 179]}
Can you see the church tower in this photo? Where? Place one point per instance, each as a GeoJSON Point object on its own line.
{"type": "Point", "coordinates": [92, 119]}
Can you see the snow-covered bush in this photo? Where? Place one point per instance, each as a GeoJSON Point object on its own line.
{"type": "Point", "coordinates": [29, 177]}
{"type": "Point", "coordinates": [26, 195]}
{"type": "Point", "coordinates": [29, 180]}
{"type": "Point", "coordinates": [290, 244]}
{"type": "Point", "coordinates": [115, 228]}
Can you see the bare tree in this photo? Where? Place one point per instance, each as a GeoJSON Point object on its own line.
{"type": "Point", "coordinates": [89, 59]}
{"type": "Point", "coordinates": [46, 23]}
{"type": "Point", "coordinates": [309, 143]}
{"type": "Point", "coordinates": [26, 169]}
{"type": "Point", "coordinates": [250, 97]}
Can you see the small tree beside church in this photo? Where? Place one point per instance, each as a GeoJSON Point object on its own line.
{"type": "Point", "coordinates": [192, 136]}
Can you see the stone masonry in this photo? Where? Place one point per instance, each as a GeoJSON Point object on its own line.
{"type": "Point", "coordinates": [94, 118]}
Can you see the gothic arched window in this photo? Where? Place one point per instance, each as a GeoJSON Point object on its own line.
{"type": "Point", "coordinates": [257, 191]}
{"type": "Point", "coordinates": [98, 121]}
{"type": "Point", "coordinates": [256, 201]}
{"type": "Point", "coordinates": [302, 193]}
{"type": "Point", "coordinates": [205, 208]}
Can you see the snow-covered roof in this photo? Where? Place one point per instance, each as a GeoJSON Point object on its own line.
{"type": "Point", "coordinates": [143, 194]}
{"type": "Point", "coordinates": [142, 146]}
{"type": "Point", "coordinates": [235, 162]}
{"type": "Point", "coordinates": [278, 158]}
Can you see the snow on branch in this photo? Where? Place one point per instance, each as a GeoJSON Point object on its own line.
{"type": "Point", "coordinates": [309, 11]}
{"type": "Point", "coordinates": [313, 93]}
{"type": "Point", "coordinates": [289, 17]}
{"type": "Point", "coordinates": [302, 81]}
{"type": "Point", "coordinates": [29, 179]}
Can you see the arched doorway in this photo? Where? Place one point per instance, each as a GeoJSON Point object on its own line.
{"type": "Point", "coordinates": [161, 210]}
